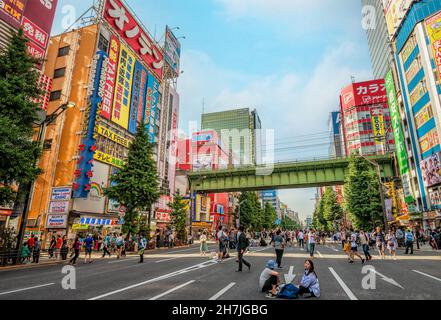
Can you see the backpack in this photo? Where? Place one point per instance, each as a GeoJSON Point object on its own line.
{"type": "Point", "coordinates": [409, 237]}
{"type": "Point", "coordinates": [288, 291]}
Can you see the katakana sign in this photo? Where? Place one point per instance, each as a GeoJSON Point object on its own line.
{"type": "Point", "coordinates": [364, 93]}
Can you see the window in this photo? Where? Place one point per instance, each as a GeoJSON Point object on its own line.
{"type": "Point", "coordinates": [59, 73]}
{"type": "Point", "coordinates": [47, 144]}
{"type": "Point", "coordinates": [103, 44]}
{"type": "Point", "coordinates": [55, 95]}
{"type": "Point", "coordinates": [63, 51]}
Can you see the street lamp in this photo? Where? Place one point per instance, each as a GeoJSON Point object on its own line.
{"type": "Point", "coordinates": [29, 188]}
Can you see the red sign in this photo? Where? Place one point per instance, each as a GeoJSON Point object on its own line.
{"type": "Point", "coordinates": [5, 212]}
{"type": "Point", "coordinates": [34, 33]}
{"type": "Point", "coordinates": [41, 13]}
{"type": "Point", "coordinates": [120, 19]}
{"type": "Point", "coordinates": [109, 88]}
{"type": "Point", "coordinates": [163, 216]}
{"type": "Point", "coordinates": [45, 85]}
{"type": "Point", "coordinates": [35, 51]}
{"type": "Point", "coordinates": [12, 11]}
{"type": "Point", "coordinates": [364, 93]}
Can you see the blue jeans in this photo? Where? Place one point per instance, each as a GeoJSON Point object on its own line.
{"type": "Point", "coordinates": [366, 251]}
{"type": "Point", "coordinates": [311, 249]}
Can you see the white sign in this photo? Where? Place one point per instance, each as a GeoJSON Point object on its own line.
{"type": "Point", "coordinates": [56, 221]}
{"type": "Point", "coordinates": [61, 193]}
{"type": "Point", "coordinates": [59, 207]}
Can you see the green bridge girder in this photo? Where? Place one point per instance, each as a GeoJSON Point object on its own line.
{"type": "Point", "coordinates": [283, 176]}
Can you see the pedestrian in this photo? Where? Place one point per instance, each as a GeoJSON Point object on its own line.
{"type": "Point", "coordinates": [119, 245]}
{"type": "Point", "coordinates": [279, 245]}
{"type": "Point", "coordinates": [269, 280]}
{"type": "Point", "coordinates": [354, 248]}
{"type": "Point", "coordinates": [25, 253]}
{"type": "Point", "coordinates": [409, 238]}
{"type": "Point", "coordinates": [31, 242]}
{"type": "Point", "coordinates": [399, 234]}
{"type": "Point", "coordinates": [204, 246]}
{"type": "Point", "coordinates": [392, 244]}
{"type": "Point", "coordinates": [242, 245]}
{"type": "Point", "coordinates": [36, 251]}
{"type": "Point", "coordinates": [301, 239]}
{"type": "Point", "coordinates": [64, 248]}
{"type": "Point", "coordinates": [311, 242]}
{"type": "Point", "coordinates": [309, 285]}
{"type": "Point", "coordinates": [52, 246]}
{"type": "Point", "coordinates": [142, 244]}
{"type": "Point", "coordinates": [76, 246]}
{"type": "Point", "coordinates": [106, 245]}
{"type": "Point", "coordinates": [88, 245]}
{"type": "Point", "coordinates": [364, 242]}
{"type": "Point", "coordinates": [222, 240]}
{"type": "Point", "coordinates": [58, 245]}
{"type": "Point", "coordinates": [380, 241]}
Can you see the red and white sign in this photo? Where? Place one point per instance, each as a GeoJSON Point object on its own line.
{"type": "Point", "coordinates": [59, 207]}
{"type": "Point", "coordinates": [45, 85]}
{"type": "Point", "coordinates": [121, 20]}
{"type": "Point", "coordinates": [34, 33]}
{"type": "Point", "coordinates": [364, 93]}
{"type": "Point", "coordinates": [56, 221]}
{"type": "Point", "coordinates": [163, 216]}
{"type": "Point", "coordinates": [35, 51]}
{"type": "Point", "coordinates": [109, 87]}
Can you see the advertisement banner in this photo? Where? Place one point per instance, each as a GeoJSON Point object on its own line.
{"type": "Point", "coordinates": [107, 158]}
{"type": "Point", "coordinates": [138, 96]}
{"type": "Point", "coordinates": [391, 194]}
{"type": "Point", "coordinates": [417, 93]}
{"type": "Point", "coordinates": [336, 122]}
{"type": "Point", "coordinates": [122, 21]}
{"type": "Point", "coordinates": [172, 50]}
{"type": "Point", "coordinates": [61, 193]}
{"type": "Point", "coordinates": [377, 125]}
{"type": "Point", "coordinates": [151, 106]}
{"type": "Point", "coordinates": [429, 140]}
{"type": "Point", "coordinates": [56, 221]}
{"type": "Point", "coordinates": [364, 93]}
{"type": "Point", "coordinates": [433, 25]}
{"type": "Point", "coordinates": [423, 116]}
{"type": "Point", "coordinates": [408, 48]}
{"type": "Point", "coordinates": [123, 89]}
{"type": "Point", "coordinates": [109, 88]}
{"type": "Point", "coordinates": [111, 135]}
{"type": "Point", "coordinates": [431, 170]}
{"type": "Point", "coordinates": [59, 207]}
{"type": "Point", "coordinates": [163, 216]}
{"type": "Point", "coordinates": [202, 162]}
{"type": "Point", "coordinates": [11, 11]}
{"type": "Point", "coordinates": [400, 146]}
{"type": "Point", "coordinates": [435, 199]}
{"type": "Point", "coordinates": [95, 201]}
{"type": "Point", "coordinates": [173, 150]}
{"type": "Point", "coordinates": [394, 11]}
{"type": "Point", "coordinates": [414, 68]}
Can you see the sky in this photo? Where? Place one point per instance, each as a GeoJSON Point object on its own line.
{"type": "Point", "coordinates": [288, 59]}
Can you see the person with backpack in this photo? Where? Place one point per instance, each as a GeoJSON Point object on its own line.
{"type": "Point", "coordinates": [409, 238]}
{"type": "Point", "coordinates": [309, 285]}
{"type": "Point", "coordinates": [269, 280]}
{"type": "Point", "coordinates": [279, 245]}
{"type": "Point", "coordinates": [25, 253]}
{"type": "Point", "coordinates": [106, 245]}
{"type": "Point", "coordinates": [364, 242]}
{"type": "Point", "coordinates": [242, 244]}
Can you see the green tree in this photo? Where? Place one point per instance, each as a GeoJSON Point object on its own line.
{"type": "Point", "coordinates": [251, 213]}
{"type": "Point", "coordinates": [270, 216]}
{"type": "Point", "coordinates": [362, 197]}
{"type": "Point", "coordinates": [179, 216]}
{"type": "Point", "coordinates": [332, 211]}
{"type": "Point", "coordinates": [289, 224]}
{"type": "Point", "coordinates": [18, 112]}
{"type": "Point", "coordinates": [318, 219]}
{"type": "Point", "coordinates": [136, 184]}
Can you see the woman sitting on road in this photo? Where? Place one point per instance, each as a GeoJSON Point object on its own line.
{"type": "Point", "coordinates": [309, 286]}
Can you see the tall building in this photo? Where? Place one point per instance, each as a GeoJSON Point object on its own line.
{"type": "Point", "coordinates": [240, 131]}
{"type": "Point", "coordinates": [380, 49]}
{"type": "Point", "coordinates": [336, 142]}
{"type": "Point", "coordinates": [271, 196]}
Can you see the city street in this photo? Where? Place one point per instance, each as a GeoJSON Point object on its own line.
{"type": "Point", "coordinates": [182, 274]}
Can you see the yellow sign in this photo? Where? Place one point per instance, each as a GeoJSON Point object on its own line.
{"type": "Point", "coordinates": [392, 195]}
{"type": "Point", "coordinates": [378, 125]}
{"type": "Point", "coordinates": [78, 226]}
{"type": "Point", "coordinates": [202, 225]}
{"type": "Point", "coordinates": [106, 158]}
{"type": "Point", "coordinates": [109, 134]}
{"type": "Point", "coordinates": [417, 93]}
{"type": "Point", "coordinates": [123, 87]}
{"type": "Point", "coordinates": [429, 140]}
{"type": "Point", "coordinates": [434, 31]}
{"type": "Point", "coordinates": [423, 116]}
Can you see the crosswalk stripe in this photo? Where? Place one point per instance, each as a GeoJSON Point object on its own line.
{"type": "Point", "coordinates": [320, 255]}
{"type": "Point", "coordinates": [427, 275]}
{"type": "Point", "coordinates": [171, 290]}
{"type": "Point", "coordinates": [220, 293]}
{"type": "Point", "coordinates": [343, 285]}
{"type": "Point", "coordinates": [25, 289]}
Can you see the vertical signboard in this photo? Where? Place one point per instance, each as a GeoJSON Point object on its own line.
{"type": "Point", "coordinates": [151, 106]}
{"type": "Point", "coordinates": [172, 54]}
{"type": "Point", "coordinates": [138, 96]}
{"type": "Point", "coordinates": [434, 31]}
{"type": "Point", "coordinates": [109, 88]}
{"type": "Point", "coordinates": [400, 146]}
{"type": "Point", "coordinates": [123, 89]}
{"type": "Point", "coordinates": [377, 124]}
{"type": "Point", "coordinates": [173, 142]}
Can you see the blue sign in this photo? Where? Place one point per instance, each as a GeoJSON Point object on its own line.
{"type": "Point", "coordinates": [269, 194]}
{"type": "Point", "coordinates": [336, 122]}
{"type": "Point", "coordinates": [151, 106]}
{"type": "Point", "coordinates": [138, 96]}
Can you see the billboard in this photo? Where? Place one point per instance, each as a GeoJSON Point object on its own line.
{"type": "Point", "coordinates": [107, 158]}
{"type": "Point", "coordinates": [203, 162]}
{"type": "Point", "coordinates": [122, 21]}
{"type": "Point", "coordinates": [138, 96]}
{"type": "Point", "coordinates": [377, 124]}
{"type": "Point", "coordinates": [111, 135]}
{"type": "Point", "coordinates": [11, 11]}
{"type": "Point", "coordinates": [95, 201]}
{"type": "Point", "coordinates": [172, 54]}
{"type": "Point", "coordinates": [269, 194]}
{"type": "Point", "coordinates": [56, 221]}
{"type": "Point", "coordinates": [61, 193]}
{"type": "Point", "coordinates": [435, 199]}
{"type": "Point", "coordinates": [123, 89]}
{"type": "Point", "coordinates": [173, 149]}
{"type": "Point", "coordinates": [423, 116]}
{"type": "Point", "coordinates": [151, 106]}
{"type": "Point", "coordinates": [400, 146]}
{"type": "Point", "coordinates": [336, 122]}
{"type": "Point", "coordinates": [59, 207]}
{"type": "Point", "coordinates": [431, 170]}
{"type": "Point", "coordinates": [109, 87]}
{"type": "Point", "coordinates": [394, 12]}
{"type": "Point", "coordinates": [433, 26]}
{"type": "Point", "coordinates": [429, 140]}
{"type": "Point", "coordinates": [364, 93]}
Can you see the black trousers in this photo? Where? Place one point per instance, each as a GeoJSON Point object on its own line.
{"type": "Point", "coordinates": [74, 259]}
{"type": "Point", "coordinates": [242, 261]}
{"type": "Point", "coordinates": [303, 290]}
{"type": "Point", "coordinates": [106, 251]}
{"type": "Point", "coordinates": [409, 245]}
{"type": "Point", "coordinates": [279, 255]}
{"type": "Point", "coordinates": [272, 281]}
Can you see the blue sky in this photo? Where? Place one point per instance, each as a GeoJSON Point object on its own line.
{"type": "Point", "coordinates": [287, 58]}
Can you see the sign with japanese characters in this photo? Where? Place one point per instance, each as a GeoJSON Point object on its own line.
{"type": "Point", "coordinates": [394, 11]}
{"type": "Point", "coordinates": [12, 11]}
{"type": "Point", "coordinates": [377, 124]}
{"type": "Point", "coordinates": [163, 216]}
{"type": "Point", "coordinates": [111, 135]}
{"type": "Point", "coordinates": [109, 87]}
{"type": "Point", "coordinates": [434, 31]}
{"type": "Point", "coordinates": [151, 106]}
{"type": "Point", "coordinates": [124, 23]}
{"type": "Point", "coordinates": [417, 93]}
{"type": "Point", "coordinates": [424, 115]}
{"type": "Point", "coordinates": [408, 48]}
{"type": "Point", "coordinates": [172, 50]}
{"type": "Point", "coordinates": [414, 68]}
{"type": "Point", "coordinates": [138, 97]}
{"type": "Point", "coordinates": [429, 140]}
{"type": "Point", "coordinates": [107, 158]}
{"type": "Point", "coordinates": [364, 93]}
{"type": "Point", "coordinates": [123, 89]}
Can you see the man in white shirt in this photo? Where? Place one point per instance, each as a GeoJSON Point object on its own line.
{"type": "Point", "coordinates": [311, 242]}
{"type": "Point", "coordinates": [301, 239]}
{"type": "Point", "coordinates": [221, 237]}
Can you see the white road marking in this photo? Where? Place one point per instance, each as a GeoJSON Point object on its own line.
{"type": "Point", "coordinates": [171, 290]}
{"type": "Point", "coordinates": [166, 276]}
{"type": "Point", "coordinates": [388, 280]}
{"type": "Point", "coordinates": [427, 275]}
{"type": "Point", "coordinates": [290, 276]}
{"type": "Point", "coordinates": [123, 260]}
{"type": "Point", "coordinates": [320, 255]}
{"type": "Point", "coordinates": [25, 289]}
{"type": "Point", "coordinates": [220, 293]}
{"type": "Point", "coordinates": [343, 285]}
{"type": "Point", "coordinates": [168, 259]}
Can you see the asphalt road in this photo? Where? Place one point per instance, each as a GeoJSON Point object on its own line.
{"type": "Point", "coordinates": [182, 274]}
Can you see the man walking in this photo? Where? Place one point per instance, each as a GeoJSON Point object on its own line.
{"type": "Point", "coordinates": [279, 245]}
{"type": "Point", "coordinates": [88, 245]}
{"type": "Point", "coordinates": [142, 244]}
{"type": "Point", "coordinates": [242, 245]}
{"type": "Point", "coordinates": [409, 241]}
{"type": "Point", "coordinates": [222, 239]}
{"type": "Point", "coordinates": [301, 239]}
